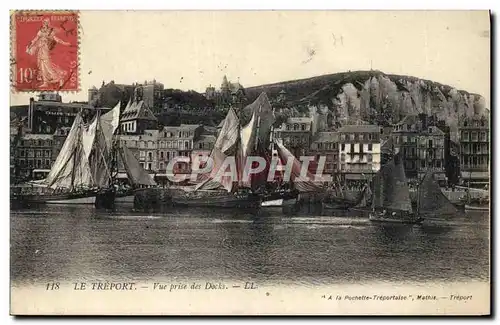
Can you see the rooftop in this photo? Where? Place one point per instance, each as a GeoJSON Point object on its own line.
{"type": "Point", "coordinates": [44, 103]}
{"type": "Point", "coordinates": [326, 136]}
{"type": "Point", "coordinates": [137, 110]}
{"type": "Point", "coordinates": [360, 129]}
{"type": "Point", "coordinates": [35, 136]}
{"type": "Point", "coordinates": [299, 120]}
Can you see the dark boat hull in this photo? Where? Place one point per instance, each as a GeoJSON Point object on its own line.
{"type": "Point", "coordinates": [86, 197]}
{"type": "Point", "coordinates": [216, 199]}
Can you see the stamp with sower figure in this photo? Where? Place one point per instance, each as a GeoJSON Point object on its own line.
{"type": "Point", "coordinates": [44, 51]}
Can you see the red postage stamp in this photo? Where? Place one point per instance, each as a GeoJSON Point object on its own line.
{"type": "Point", "coordinates": [44, 51]}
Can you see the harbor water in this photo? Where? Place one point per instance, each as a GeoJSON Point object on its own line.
{"type": "Point", "coordinates": [71, 243]}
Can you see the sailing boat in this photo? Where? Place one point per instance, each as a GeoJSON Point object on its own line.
{"type": "Point", "coordinates": [79, 170]}
{"type": "Point", "coordinates": [391, 196]}
{"type": "Point", "coordinates": [295, 186]}
{"type": "Point", "coordinates": [121, 157]}
{"type": "Point", "coordinates": [430, 199]}
{"type": "Point", "coordinates": [235, 143]}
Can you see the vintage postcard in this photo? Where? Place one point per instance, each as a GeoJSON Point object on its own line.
{"type": "Point", "coordinates": [250, 162]}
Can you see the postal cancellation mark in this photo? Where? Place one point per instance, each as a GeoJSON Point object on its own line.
{"type": "Point", "coordinates": [44, 53]}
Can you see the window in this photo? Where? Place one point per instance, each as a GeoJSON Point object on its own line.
{"type": "Point", "coordinates": [168, 155]}
{"type": "Point", "coordinates": [422, 163]}
{"type": "Point", "coordinates": [288, 127]}
{"type": "Point", "coordinates": [351, 137]}
{"type": "Point", "coordinates": [200, 145]}
{"type": "Point", "coordinates": [430, 130]}
{"type": "Point", "coordinates": [303, 127]}
{"type": "Point", "coordinates": [161, 166]}
{"type": "Point", "coordinates": [149, 166]}
{"type": "Point", "coordinates": [320, 145]}
{"type": "Point", "coordinates": [169, 144]}
{"type": "Point", "coordinates": [186, 145]}
{"type": "Point", "coordinates": [474, 136]}
{"type": "Point", "coordinates": [370, 147]}
{"type": "Point", "coordinates": [405, 139]}
{"type": "Point", "coordinates": [483, 136]}
{"type": "Point", "coordinates": [342, 137]}
{"type": "Point", "coordinates": [438, 163]}
{"type": "Point", "coordinates": [430, 143]}
{"type": "Point", "coordinates": [295, 127]}
{"type": "Point", "coordinates": [369, 158]}
{"type": "Point", "coordinates": [342, 146]}
{"type": "Point", "coordinates": [361, 137]}
{"type": "Point", "coordinates": [150, 156]}
{"type": "Point", "coordinates": [142, 154]}
{"type": "Point", "coordinates": [161, 154]}
{"type": "Point", "coordinates": [142, 144]}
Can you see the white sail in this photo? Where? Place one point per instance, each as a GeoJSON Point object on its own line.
{"type": "Point", "coordinates": [226, 141]}
{"type": "Point", "coordinates": [247, 144]}
{"type": "Point", "coordinates": [71, 168]}
{"type": "Point", "coordinates": [109, 123]}
{"type": "Point", "coordinates": [88, 136]}
{"type": "Point", "coordinates": [229, 133]}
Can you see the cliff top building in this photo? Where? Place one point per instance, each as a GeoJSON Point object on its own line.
{"type": "Point", "coordinates": [229, 93]}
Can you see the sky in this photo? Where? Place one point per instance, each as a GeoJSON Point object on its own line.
{"type": "Point", "coordinates": [193, 49]}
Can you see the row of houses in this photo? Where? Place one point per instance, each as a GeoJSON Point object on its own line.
{"type": "Point", "coordinates": [353, 152]}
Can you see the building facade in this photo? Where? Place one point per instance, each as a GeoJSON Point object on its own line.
{"type": "Point", "coordinates": [49, 112]}
{"type": "Point", "coordinates": [474, 133]}
{"type": "Point", "coordinates": [359, 153]}
{"type": "Point", "coordinates": [136, 118]}
{"type": "Point", "coordinates": [34, 155]}
{"type": "Point", "coordinates": [295, 134]}
{"type": "Point", "coordinates": [326, 144]}
{"type": "Point", "coordinates": [423, 147]}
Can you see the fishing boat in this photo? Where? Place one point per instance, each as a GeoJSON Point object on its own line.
{"type": "Point", "coordinates": [79, 172]}
{"type": "Point", "coordinates": [391, 198]}
{"type": "Point", "coordinates": [235, 143]}
{"type": "Point", "coordinates": [121, 158]}
{"type": "Point", "coordinates": [296, 187]}
{"type": "Point", "coordinates": [364, 201]}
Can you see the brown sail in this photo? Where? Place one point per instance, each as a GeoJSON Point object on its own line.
{"type": "Point", "coordinates": [391, 190]}
{"type": "Point", "coordinates": [431, 200]}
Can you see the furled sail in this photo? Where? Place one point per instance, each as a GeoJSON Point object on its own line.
{"type": "Point", "coordinates": [136, 174]}
{"type": "Point", "coordinates": [301, 185]}
{"type": "Point", "coordinates": [431, 199]}
{"type": "Point", "coordinates": [390, 187]}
